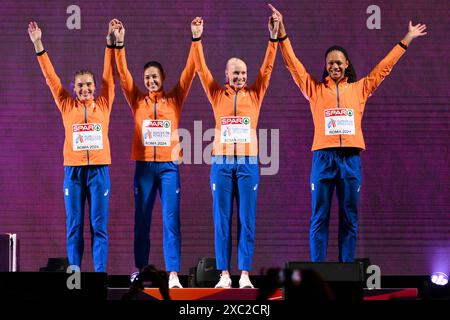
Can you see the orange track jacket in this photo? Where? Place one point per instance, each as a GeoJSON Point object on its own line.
{"type": "Point", "coordinates": [80, 118]}
{"type": "Point", "coordinates": [332, 104]}
{"type": "Point", "coordinates": [155, 109]}
{"type": "Point", "coordinates": [229, 105]}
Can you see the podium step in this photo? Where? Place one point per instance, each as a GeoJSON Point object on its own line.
{"type": "Point", "coordinates": [390, 294]}
{"type": "Point", "coordinates": [196, 294]}
{"type": "Point", "coordinates": [211, 294]}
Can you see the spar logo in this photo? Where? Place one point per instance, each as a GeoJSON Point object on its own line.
{"type": "Point", "coordinates": [338, 113]}
{"type": "Point", "coordinates": [157, 124]}
{"type": "Point", "coordinates": [236, 120]}
{"type": "Point", "coordinates": [86, 127]}
{"type": "Point", "coordinates": [166, 124]}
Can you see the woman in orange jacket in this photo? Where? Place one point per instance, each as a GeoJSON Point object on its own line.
{"type": "Point", "coordinates": [156, 150]}
{"type": "Point", "coordinates": [86, 149]}
{"type": "Point", "coordinates": [337, 105]}
{"type": "Point", "coordinates": [234, 168]}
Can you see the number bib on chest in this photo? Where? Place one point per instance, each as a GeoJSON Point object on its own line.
{"type": "Point", "coordinates": [339, 121]}
{"type": "Point", "coordinates": [235, 129]}
{"type": "Point", "coordinates": [87, 136]}
{"type": "Point", "coordinates": [156, 133]}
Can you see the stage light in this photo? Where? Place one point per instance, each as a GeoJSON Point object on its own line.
{"type": "Point", "coordinates": [439, 278]}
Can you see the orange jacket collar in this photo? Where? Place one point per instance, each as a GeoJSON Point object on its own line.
{"type": "Point", "coordinates": [229, 89]}
{"type": "Point", "coordinates": [85, 102]}
{"type": "Point", "coordinates": [329, 81]}
{"type": "Point", "coordinates": [156, 95]}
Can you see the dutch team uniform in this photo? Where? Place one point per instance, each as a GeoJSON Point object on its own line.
{"type": "Point", "coordinates": [86, 160]}
{"type": "Point", "coordinates": [156, 150]}
{"type": "Point", "coordinates": [234, 168]}
{"type": "Point", "coordinates": [337, 112]}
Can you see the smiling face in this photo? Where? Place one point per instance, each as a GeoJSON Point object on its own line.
{"type": "Point", "coordinates": [236, 73]}
{"type": "Point", "coordinates": [153, 79]}
{"type": "Point", "coordinates": [336, 63]}
{"type": "Point", "coordinates": [84, 86]}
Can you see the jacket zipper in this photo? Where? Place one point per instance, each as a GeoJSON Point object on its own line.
{"type": "Point", "coordinates": [154, 111]}
{"type": "Point", "coordinates": [337, 91]}
{"type": "Point", "coordinates": [235, 114]}
{"type": "Point", "coordinates": [85, 121]}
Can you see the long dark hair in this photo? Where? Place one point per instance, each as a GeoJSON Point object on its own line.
{"type": "Point", "coordinates": [350, 72]}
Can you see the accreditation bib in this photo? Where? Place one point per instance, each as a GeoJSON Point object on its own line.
{"type": "Point", "coordinates": [87, 136]}
{"type": "Point", "coordinates": [339, 121]}
{"type": "Point", "coordinates": [235, 130]}
{"type": "Point", "coordinates": [156, 133]}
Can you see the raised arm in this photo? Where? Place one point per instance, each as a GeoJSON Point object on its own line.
{"type": "Point", "coordinates": [262, 80]}
{"type": "Point", "coordinates": [371, 82]}
{"type": "Point", "coordinates": [51, 78]}
{"type": "Point", "coordinates": [108, 85]}
{"type": "Point", "coordinates": [210, 86]}
{"type": "Point", "coordinates": [187, 76]}
{"type": "Point", "coordinates": [129, 88]}
{"type": "Point", "coordinates": [302, 78]}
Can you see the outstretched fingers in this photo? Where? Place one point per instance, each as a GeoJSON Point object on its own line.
{"type": "Point", "coordinates": [34, 32]}
{"type": "Point", "coordinates": [417, 30]}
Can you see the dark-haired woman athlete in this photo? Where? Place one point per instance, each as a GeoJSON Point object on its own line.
{"type": "Point", "coordinates": [156, 150]}
{"type": "Point", "coordinates": [337, 105]}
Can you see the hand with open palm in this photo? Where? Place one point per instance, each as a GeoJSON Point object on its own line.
{"type": "Point", "coordinates": [35, 34]}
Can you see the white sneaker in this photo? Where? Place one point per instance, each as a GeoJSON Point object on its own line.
{"type": "Point", "coordinates": [244, 282]}
{"type": "Point", "coordinates": [225, 282]}
{"type": "Point", "coordinates": [174, 282]}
